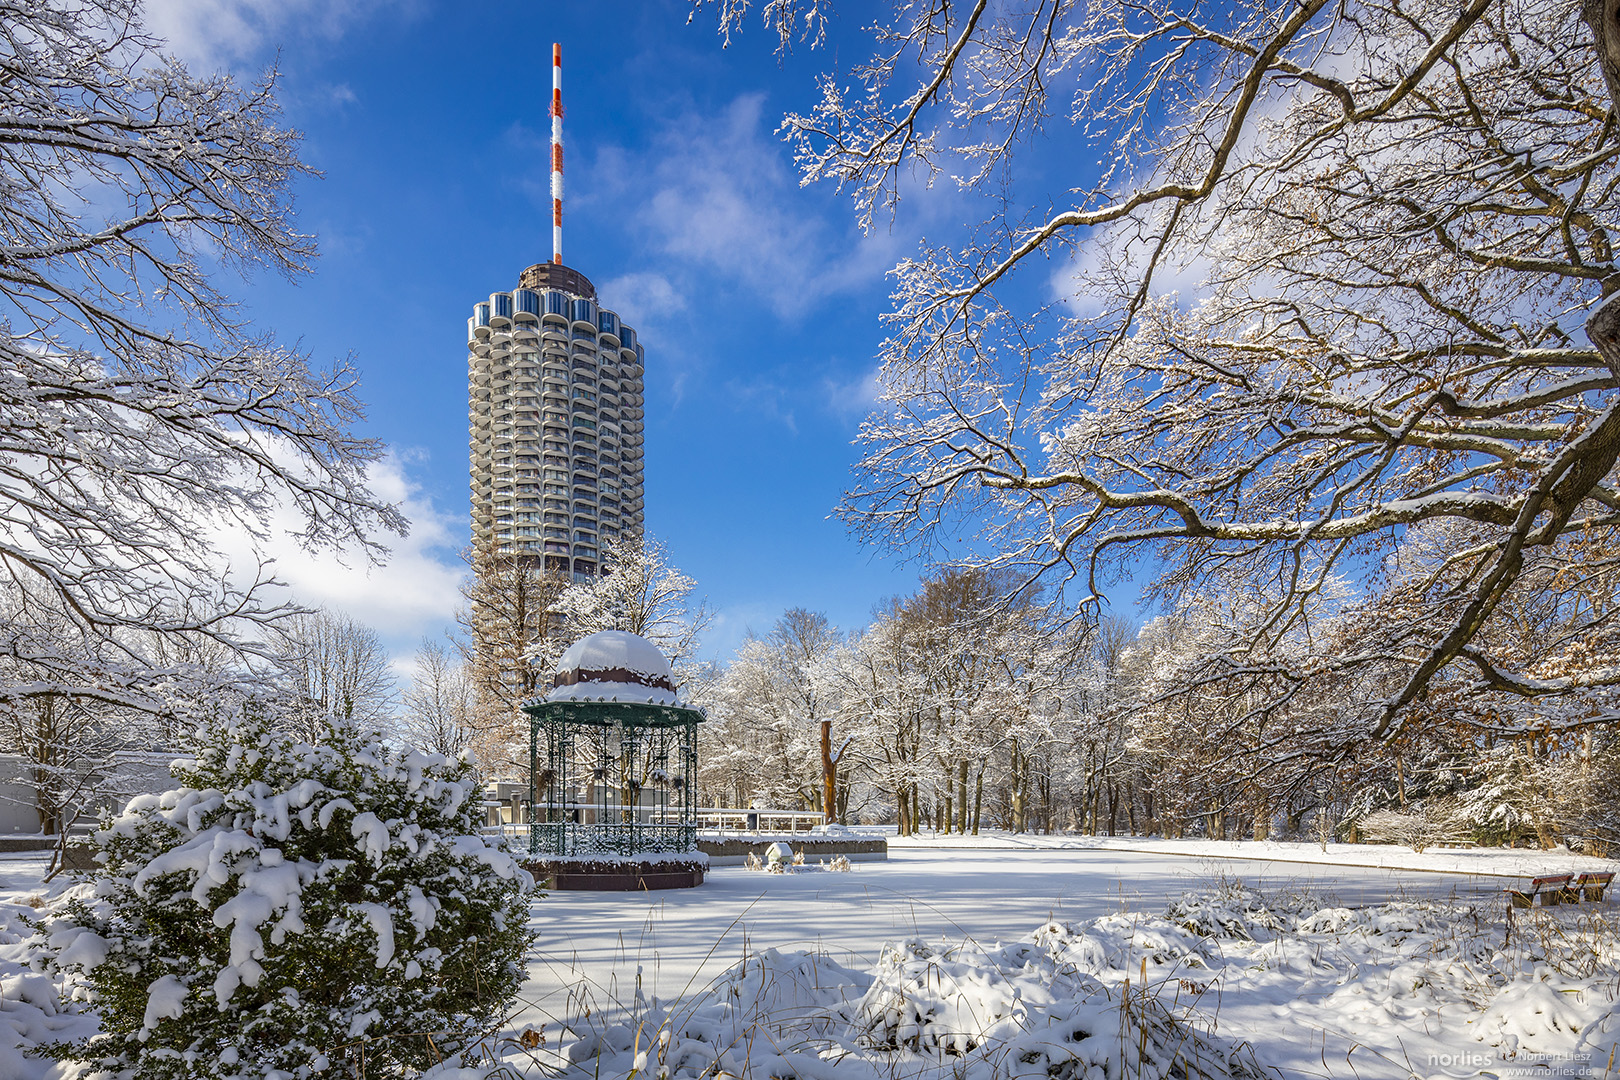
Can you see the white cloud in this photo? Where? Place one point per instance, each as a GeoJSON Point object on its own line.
{"type": "Point", "coordinates": [213, 34]}
{"type": "Point", "coordinates": [853, 399]}
{"type": "Point", "coordinates": [1105, 269]}
{"type": "Point", "coordinates": [412, 595]}
{"type": "Point", "coordinates": [717, 194]}
{"type": "Point", "coordinates": [641, 297]}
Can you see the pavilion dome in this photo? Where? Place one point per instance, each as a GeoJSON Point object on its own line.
{"type": "Point", "coordinates": [613, 665]}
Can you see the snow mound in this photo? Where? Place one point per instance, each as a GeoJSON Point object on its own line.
{"type": "Point", "coordinates": [33, 1010]}
{"type": "Point", "coordinates": [957, 1010]}
{"type": "Point", "coordinates": [613, 666]}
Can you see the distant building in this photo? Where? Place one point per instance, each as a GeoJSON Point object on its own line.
{"type": "Point", "coordinates": [555, 417]}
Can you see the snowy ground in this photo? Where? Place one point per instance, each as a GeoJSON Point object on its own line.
{"type": "Point", "coordinates": [997, 889]}
{"type": "Point", "coordinates": [1403, 976]}
{"type": "Point", "coordinates": [592, 944]}
{"type": "Point", "coordinates": [1478, 861]}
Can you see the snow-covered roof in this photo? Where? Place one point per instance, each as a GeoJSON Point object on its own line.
{"type": "Point", "coordinates": [613, 666]}
{"type": "Point", "coordinates": [611, 691]}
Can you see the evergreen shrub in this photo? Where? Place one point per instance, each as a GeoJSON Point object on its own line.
{"type": "Point", "coordinates": [295, 910]}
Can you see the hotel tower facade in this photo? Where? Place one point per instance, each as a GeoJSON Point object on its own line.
{"type": "Point", "coordinates": [554, 409]}
{"type": "Point", "coordinates": [555, 422]}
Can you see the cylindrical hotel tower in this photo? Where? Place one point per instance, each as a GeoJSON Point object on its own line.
{"type": "Point", "coordinates": [555, 416]}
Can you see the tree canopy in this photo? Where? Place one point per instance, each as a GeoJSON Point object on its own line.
{"type": "Point", "coordinates": [1377, 422]}
{"type": "Point", "coordinates": [141, 419]}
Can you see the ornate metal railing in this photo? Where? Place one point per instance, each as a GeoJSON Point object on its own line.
{"type": "Point", "coordinates": [566, 838]}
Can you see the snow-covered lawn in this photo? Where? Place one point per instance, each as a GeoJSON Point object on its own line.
{"type": "Point", "coordinates": [1347, 1012]}
{"type": "Point", "coordinates": [1480, 861]}
{"type": "Point", "coordinates": [1017, 944]}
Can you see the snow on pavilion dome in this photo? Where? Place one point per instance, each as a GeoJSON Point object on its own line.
{"type": "Point", "coordinates": [613, 665]}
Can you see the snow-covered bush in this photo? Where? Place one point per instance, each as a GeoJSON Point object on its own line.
{"type": "Point", "coordinates": [1418, 828]}
{"type": "Point", "coordinates": [294, 910]}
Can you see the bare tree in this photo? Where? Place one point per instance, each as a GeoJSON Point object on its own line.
{"type": "Point", "coordinates": [519, 617]}
{"type": "Point", "coordinates": [641, 594]}
{"type": "Point", "coordinates": [332, 667]}
{"type": "Point", "coordinates": [438, 715]}
{"type": "Point", "coordinates": [769, 709]}
{"type": "Point", "coordinates": [139, 417]}
{"type": "Point", "coordinates": [1398, 215]}
{"type": "Point", "coordinates": [512, 635]}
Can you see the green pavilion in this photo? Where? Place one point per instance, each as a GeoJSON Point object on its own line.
{"type": "Point", "coordinates": [612, 770]}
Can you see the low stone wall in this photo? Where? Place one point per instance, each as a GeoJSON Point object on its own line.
{"type": "Point", "coordinates": [27, 843]}
{"type": "Point", "coordinates": [734, 850]}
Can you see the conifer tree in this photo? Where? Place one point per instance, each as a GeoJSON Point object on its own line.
{"type": "Point", "coordinates": [292, 910]}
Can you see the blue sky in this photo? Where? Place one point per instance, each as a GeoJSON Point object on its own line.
{"type": "Point", "coordinates": [758, 301]}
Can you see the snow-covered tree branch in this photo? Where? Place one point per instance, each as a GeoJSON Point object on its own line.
{"type": "Point", "coordinates": [1321, 330]}
{"type": "Point", "coordinates": [140, 419]}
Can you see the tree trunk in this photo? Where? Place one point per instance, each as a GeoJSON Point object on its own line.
{"type": "Point", "coordinates": [962, 796]}
{"type": "Point", "coordinates": [1018, 823]}
{"type": "Point", "coordinates": [978, 800]}
{"type": "Point", "coordinates": [1603, 17]}
{"type": "Point", "coordinates": [829, 776]}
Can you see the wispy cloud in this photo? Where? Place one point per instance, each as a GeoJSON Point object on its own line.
{"type": "Point", "coordinates": [766, 399]}
{"type": "Point", "coordinates": [214, 34]}
{"type": "Point", "coordinates": [853, 399]}
{"type": "Point", "coordinates": [643, 297]}
{"type": "Point", "coordinates": [717, 195]}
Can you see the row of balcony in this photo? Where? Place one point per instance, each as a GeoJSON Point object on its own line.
{"type": "Point", "coordinates": [611, 422]}
{"type": "Point", "coordinates": [555, 438]}
{"type": "Point", "coordinates": [551, 306]}
{"type": "Point", "coordinates": [576, 334]}
{"type": "Point", "coordinates": [617, 420]}
{"type": "Point", "coordinates": [626, 367]}
{"type": "Point", "coordinates": [520, 368]}
{"type": "Point", "coordinates": [585, 500]}
{"type": "Point", "coordinates": [497, 454]}
{"type": "Point", "coordinates": [507, 424]}
{"type": "Point", "coordinates": [553, 387]}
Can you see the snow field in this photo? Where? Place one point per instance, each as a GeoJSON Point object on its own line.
{"type": "Point", "coordinates": [1226, 982]}
{"type": "Point", "coordinates": [989, 962]}
{"type": "Point", "coordinates": [597, 951]}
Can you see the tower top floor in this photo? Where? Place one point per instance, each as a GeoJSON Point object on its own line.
{"type": "Point", "coordinates": [546, 275]}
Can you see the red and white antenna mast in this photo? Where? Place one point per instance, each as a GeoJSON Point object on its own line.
{"type": "Point", "coordinates": [556, 154]}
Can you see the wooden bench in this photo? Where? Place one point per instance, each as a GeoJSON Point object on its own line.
{"type": "Point", "coordinates": [1591, 886]}
{"type": "Point", "coordinates": [1553, 889]}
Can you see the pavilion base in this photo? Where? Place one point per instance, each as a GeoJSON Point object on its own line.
{"type": "Point", "coordinates": [619, 874]}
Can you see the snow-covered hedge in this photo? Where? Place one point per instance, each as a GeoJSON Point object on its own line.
{"type": "Point", "coordinates": [295, 910]}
